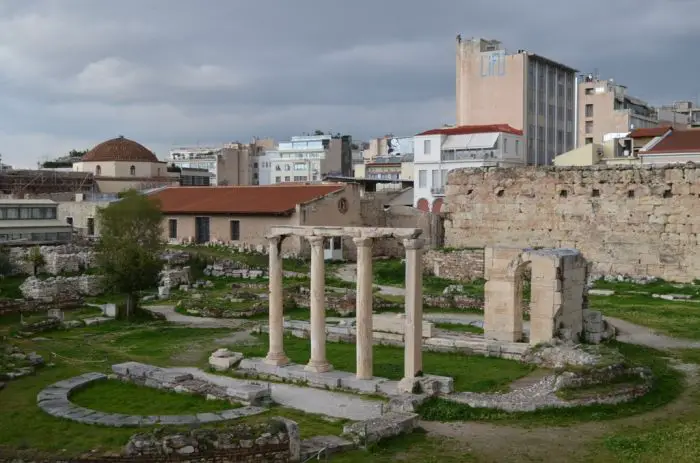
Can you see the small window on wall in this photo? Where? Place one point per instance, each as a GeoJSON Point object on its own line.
{"type": "Point", "coordinates": [426, 146]}
{"type": "Point", "coordinates": [69, 221]}
{"type": "Point", "coordinates": [91, 226]}
{"type": "Point", "coordinates": [235, 230]}
{"type": "Point", "coordinates": [172, 229]}
{"type": "Point", "coordinates": [132, 170]}
{"type": "Point", "coordinates": [98, 170]}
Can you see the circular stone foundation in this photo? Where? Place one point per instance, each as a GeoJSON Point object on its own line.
{"type": "Point", "coordinates": [55, 400]}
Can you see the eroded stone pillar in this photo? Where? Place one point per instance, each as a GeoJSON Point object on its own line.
{"type": "Point", "coordinates": [364, 308]}
{"type": "Point", "coordinates": [413, 335]}
{"type": "Point", "coordinates": [318, 362]}
{"type": "Point", "coordinates": [275, 354]}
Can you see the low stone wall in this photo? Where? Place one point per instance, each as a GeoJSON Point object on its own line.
{"type": "Point", "coordinates": [174, 277]}
{"type": "Point", "coordinates": [234, 269]}
{"type": "Point", "coordinates": [62, 288]}
{"type": "Point", "coordinates": [9, 306]}
{"type": "Point", "coordinates": [456, 264]}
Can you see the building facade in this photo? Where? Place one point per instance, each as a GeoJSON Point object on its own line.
{"type": "Point", "coordinates": [680, 115]}
{"type": "Point", "coordinates": [605, 107]}
{"type": "Point", "coordinates": [524, 90]}
{"type": "Point", "coordinates": [32, 222]}
{"type": "Point", "coordinates": [311, 158]}
{"type": "Point", "coordinates": [439, 151]}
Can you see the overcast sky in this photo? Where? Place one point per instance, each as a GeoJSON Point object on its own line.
{"type": "Point", "coordinates": [175, 72]}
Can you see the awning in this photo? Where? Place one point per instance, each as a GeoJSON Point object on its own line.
{"type": "Point", "coordinates": [474, 141]}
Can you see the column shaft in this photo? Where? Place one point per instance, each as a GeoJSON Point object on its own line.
{"type": "Point", "coordinates": [364, 308]}
{"type": "Point", "coordinates": [275, 354]}
{"type": "Point", "coordinates": [413, 335]}
{"type": "Point", "coordinates": [318, 362]}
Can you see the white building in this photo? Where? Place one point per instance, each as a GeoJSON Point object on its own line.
{"type": "Point", "coordinates": [262, 167]}
{"type": "Point", "coordinates": [438, 151]}
{"type": "Point", "coordinates": [310, 158]}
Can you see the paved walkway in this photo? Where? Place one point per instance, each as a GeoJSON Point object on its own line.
{"type": "Point", "coordinates": [643, 336]}
{"type": "Point", "coordinates": [309, 400]}
{"type": "Point", "coordinates": [348, 272]}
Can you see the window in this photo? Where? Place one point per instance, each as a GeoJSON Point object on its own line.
{"type": "Point", "coordinates": [12, 213]}
{"type": "Point", "coordinates": [505, 145]}
{"type": "Point", "coordinates": [517, 147]}
{"type": "Point", "coordinates": [91, 226]}
{"type": "Point", "coordinates": [255, 165]}
{"type": "Point", "coordinates": [25, 213]}
{"type": "Point", "coordinates": [589, 110]}
{"type": "Point", "coordinates": [278, 179]}
{"type": "Point", "coordinates": [235, 230]}
{"type": "Point", "coordinates": [172, 229]}
{"type": "Point", "coordinates": [287, 167]}
{"type": "Point", "coordinates": [436, 179]}
{"type": "Point", "coordinates": [132, 170]}
{"type": "Point", "coordinates": [422, 179]}
{"type": "Point", "coordinates": [590, 91]}
{"type": "Point", "coordinates": [589, 141]}
{"type": "Point", "coordinates": [98, 170]}
{"type": "Point", "coordinates": [69, 221]}
{"type": "Point", "coordinates": [426, 147]}
{"type": "Point", "coordinates": [37, 213]}
{"type": "Point", "coordinates": [277, 167]}
{"type": "Point", "coordinates": [589, 126]}
{"type": "Point", "coordinates": [286, 179]}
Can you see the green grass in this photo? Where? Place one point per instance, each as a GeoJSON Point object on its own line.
{"type": "Point", "coordinates": [668, 385]}
{"type": "Point", "coordinates": [411, 448]}
{"type": "Point", "coordinates": [459, 328]}
{"type": "Point", "coordinates": [656, 287]}
{"type": "Point", "coordinates": [470, 373]}
{"type": "Point", "coordinates": [9, 287]}
{"type": "Point", "coordinates": [115, 396]}
{"type": "Point", "coordinates": [392, 272]}
{"type": "Point", "coordinates": [252, 259]}
{"type": "Point", "coordinates": [674, 318]}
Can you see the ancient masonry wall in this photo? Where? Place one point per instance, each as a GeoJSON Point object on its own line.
{"type": "Point", "coordinates": [635, 221]}
{"type": "Point", "coordinates": [454, 264]}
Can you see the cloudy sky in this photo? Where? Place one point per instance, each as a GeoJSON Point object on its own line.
{"type": "Point", "coordinates": [178, 72]}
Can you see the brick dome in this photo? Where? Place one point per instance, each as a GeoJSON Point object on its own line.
{"type": "Point", "coordinates": [120, 149]}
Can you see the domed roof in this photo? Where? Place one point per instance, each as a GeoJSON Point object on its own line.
{"type": "Point", "coordinates": [120, 149]}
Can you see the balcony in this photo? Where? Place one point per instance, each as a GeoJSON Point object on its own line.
{"type": "Point", "coordinates": [438, 191]}
{"type": "Point", "coordinates": [467, 155]}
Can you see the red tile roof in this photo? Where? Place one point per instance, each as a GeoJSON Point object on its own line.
{"type": "Point", "coordinates": [470, 129]}
{"type": "Point", "coordinates": [650, 132]}
{"type": "Point", "coordinates": [678, 141]}
{"type": "Point", "coordinates": [244, 200]}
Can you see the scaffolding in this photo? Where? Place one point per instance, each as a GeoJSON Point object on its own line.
{"type": "Point", "coordinates": [37, 182]}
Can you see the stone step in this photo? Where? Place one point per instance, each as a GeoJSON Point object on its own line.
{"type": "Point", "coordinates": [323, 446]}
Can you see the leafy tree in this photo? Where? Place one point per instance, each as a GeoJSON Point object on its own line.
{"type": "Point", "coordinates": [36, 259]}
{"type": "Point", "coordinates": [130, 246]}
{"type": "Point", "coordinates": [77, 153]}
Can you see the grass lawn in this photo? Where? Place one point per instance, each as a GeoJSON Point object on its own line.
{"type": "Point", "coordinates": [674, 318]}
{"type": "Point", "coordinates": [470, 373]}
{"type": "Point", "coordinates": [459, 328]}
{"type": "Point", "coordinates": [23, 426]}
{"type": "Point", "coordinates": [115, 396]}
{"type": "Point", "coordinates": [668, 385]}
{"type": "Point", "coordinates": [9, 287]}
{"type": "Point", "coordinates": [252, 259]}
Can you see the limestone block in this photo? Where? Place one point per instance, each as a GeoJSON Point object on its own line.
{"type": "Point", "coordinates": [397, 324]}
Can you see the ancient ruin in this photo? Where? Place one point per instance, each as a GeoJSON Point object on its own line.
{"type": "Point", "coordinates": [363, 239]}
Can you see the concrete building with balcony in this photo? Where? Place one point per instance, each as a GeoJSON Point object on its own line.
{"type": "Point", "coordinates": [32, 222]}
{"type": "Point", "coordinates": [680, 115]}
{"type": "Point", "coordinates": [605, 107]}
{"type": "Point", "coordinates": [310, 158]}
{"type": "Point", "coordinates": [388, 145]}
{"type": "Point", "coordinates": [524, 90]}
{"type": "Point", "coordinates": [439, 151]}
{"type": "Point", "coordinates": [399, 168]}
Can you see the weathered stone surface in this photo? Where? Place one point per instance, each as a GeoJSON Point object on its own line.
{"type": "Point", "coordinates": [649, 232]}
{"type": "Point", "coordinates": [62, 288]}
{"type": "Point", "coordinates": [457, 264]}
{"type": "Point", "coordinates": [224, 359]}
{"type": "Point", "coordinates": [388, 425]}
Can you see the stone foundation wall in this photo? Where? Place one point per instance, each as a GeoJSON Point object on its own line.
{"type": "Point", "coordinates": [174, 277]}
{"type": "Point", "coordinates": [9, 306]}
{"type": "Point", "coordinates": [633, 221]}
{"type": "Point", "coordinates": [59, 259]}
{"type": "Point", "coordinates": [61, 288]}
{"type": "Point", "coordinates": [455, 264]}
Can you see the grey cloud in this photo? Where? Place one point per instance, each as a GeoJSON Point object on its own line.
{"type": "Point", "coordinates": [176, 71]}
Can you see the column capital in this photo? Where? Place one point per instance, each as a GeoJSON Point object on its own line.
{"type": "Point", "coordinates": [274, 239]}
{"type": "Point", "coordinates": [315, 240]}
{"type": "Point", "coordinates": [362, 241]}
{"type": "Point", "coordinates": [413, 243]}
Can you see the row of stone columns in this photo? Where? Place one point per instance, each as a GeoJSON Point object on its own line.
{"type": "Point", "coordinates": [364, 340]}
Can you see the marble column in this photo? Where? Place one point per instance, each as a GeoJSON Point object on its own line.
{"type": "Point", "coordinates": [318, 362]}
{"type": "Point", "coordinates": [275, 354]}
{"type": "Point", "coordinates": [364, 308]}
{"type": "Point", "coordinates": [413, 334]}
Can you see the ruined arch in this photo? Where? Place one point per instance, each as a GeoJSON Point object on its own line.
{"type": "Point", "coordinates": [437, 205]}
{"type": "Point", "coordinates": [423, 205]}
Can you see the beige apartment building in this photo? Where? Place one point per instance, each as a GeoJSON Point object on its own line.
{"type": "Point", "coordinates": [523, 90]}
{"type": "Point", "coordinates": [606, 108]}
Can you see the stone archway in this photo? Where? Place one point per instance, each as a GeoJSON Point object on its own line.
{"type": "Point", "coordinates": [423, 205]}
{"type": "Point", "coordinates": [437, 205]}
{"type": "Point", "coordinates": [557, 294]}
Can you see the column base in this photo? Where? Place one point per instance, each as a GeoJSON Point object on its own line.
{"type": "Point", "coordinates": [318, 367]}
{"type": "Point", "coordinates": [364, 377]}
{"type": "Point", "coordinates": [410, 386]}
{"type": "Point", "coordinates": [278, 359]}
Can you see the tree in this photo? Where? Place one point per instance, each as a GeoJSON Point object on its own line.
{"type": "Point", "coordinates": [36, 259]}
{"type": "Point", "coordinates": [6, 265]}
{"type": "Point", "coordinates": [130, 245]}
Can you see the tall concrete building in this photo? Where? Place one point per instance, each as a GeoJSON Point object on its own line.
{"type": "Point", "coordinates": [309, 158]}
{"type": "Point", "coordinates": [680, 115]}
{"type": "Point", "coordinates": [524, 90]}
{"type": "Point", "coordinates": [604, 107]}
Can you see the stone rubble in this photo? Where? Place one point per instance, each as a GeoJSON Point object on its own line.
{"type": "Point", "coordinates": [62, 288]}
{"type": "Point", "coordinates": [59, 259]}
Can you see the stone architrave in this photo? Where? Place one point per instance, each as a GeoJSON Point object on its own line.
{"type": "Point", "coordinates": [318, 362]}
{"type": "Point", "coordinates": [413, 339]}
{"type": "Point", "coordinates": [364, 308]}
{"type": "Point", "coordinates": [275, 354]}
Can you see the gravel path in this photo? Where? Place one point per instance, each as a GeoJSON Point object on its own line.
{"type": "Point", "coordinates": [196, 322]}
{"type": "Point", "coordinates": [643, 336]}
{"type": "Point", "coordinates": [309, 400]}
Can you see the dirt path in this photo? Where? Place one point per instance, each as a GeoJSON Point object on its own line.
{"type": "Point", "coordinates": [643, 336]}
{"type": "Point", "coordinates": [348, 272]}
{"type": "Point", "coordinates": [168, 311]}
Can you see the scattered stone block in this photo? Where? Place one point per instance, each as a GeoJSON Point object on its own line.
{"type": "Point", "coordinates": [224, 359]}
{"type": "Point", "coordinates": [601, 292]}
{"type": "Point", "coordinates": [397, 324]}
{"type": "Point", "coordinates": [374, 430]}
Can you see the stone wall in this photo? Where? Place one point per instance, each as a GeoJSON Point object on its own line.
{"type": "Point", "coordinates": [454, 264]}
{"type": "Point", "coordinates": [62, 288]}
{"type": "Point", "coordinates": [59, 259]}
{"type": "Point", "coordinates": [632, 221]}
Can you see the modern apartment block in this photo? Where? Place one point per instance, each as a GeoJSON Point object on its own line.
{"type": "Point", "coordinates": [680, 115]}
{"type": "Point", "coordinates": [309, 158]}
{"type": "Point", "coordinates": [523, 90]}
{"type": "Point", "coordinates": [606, 108]}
